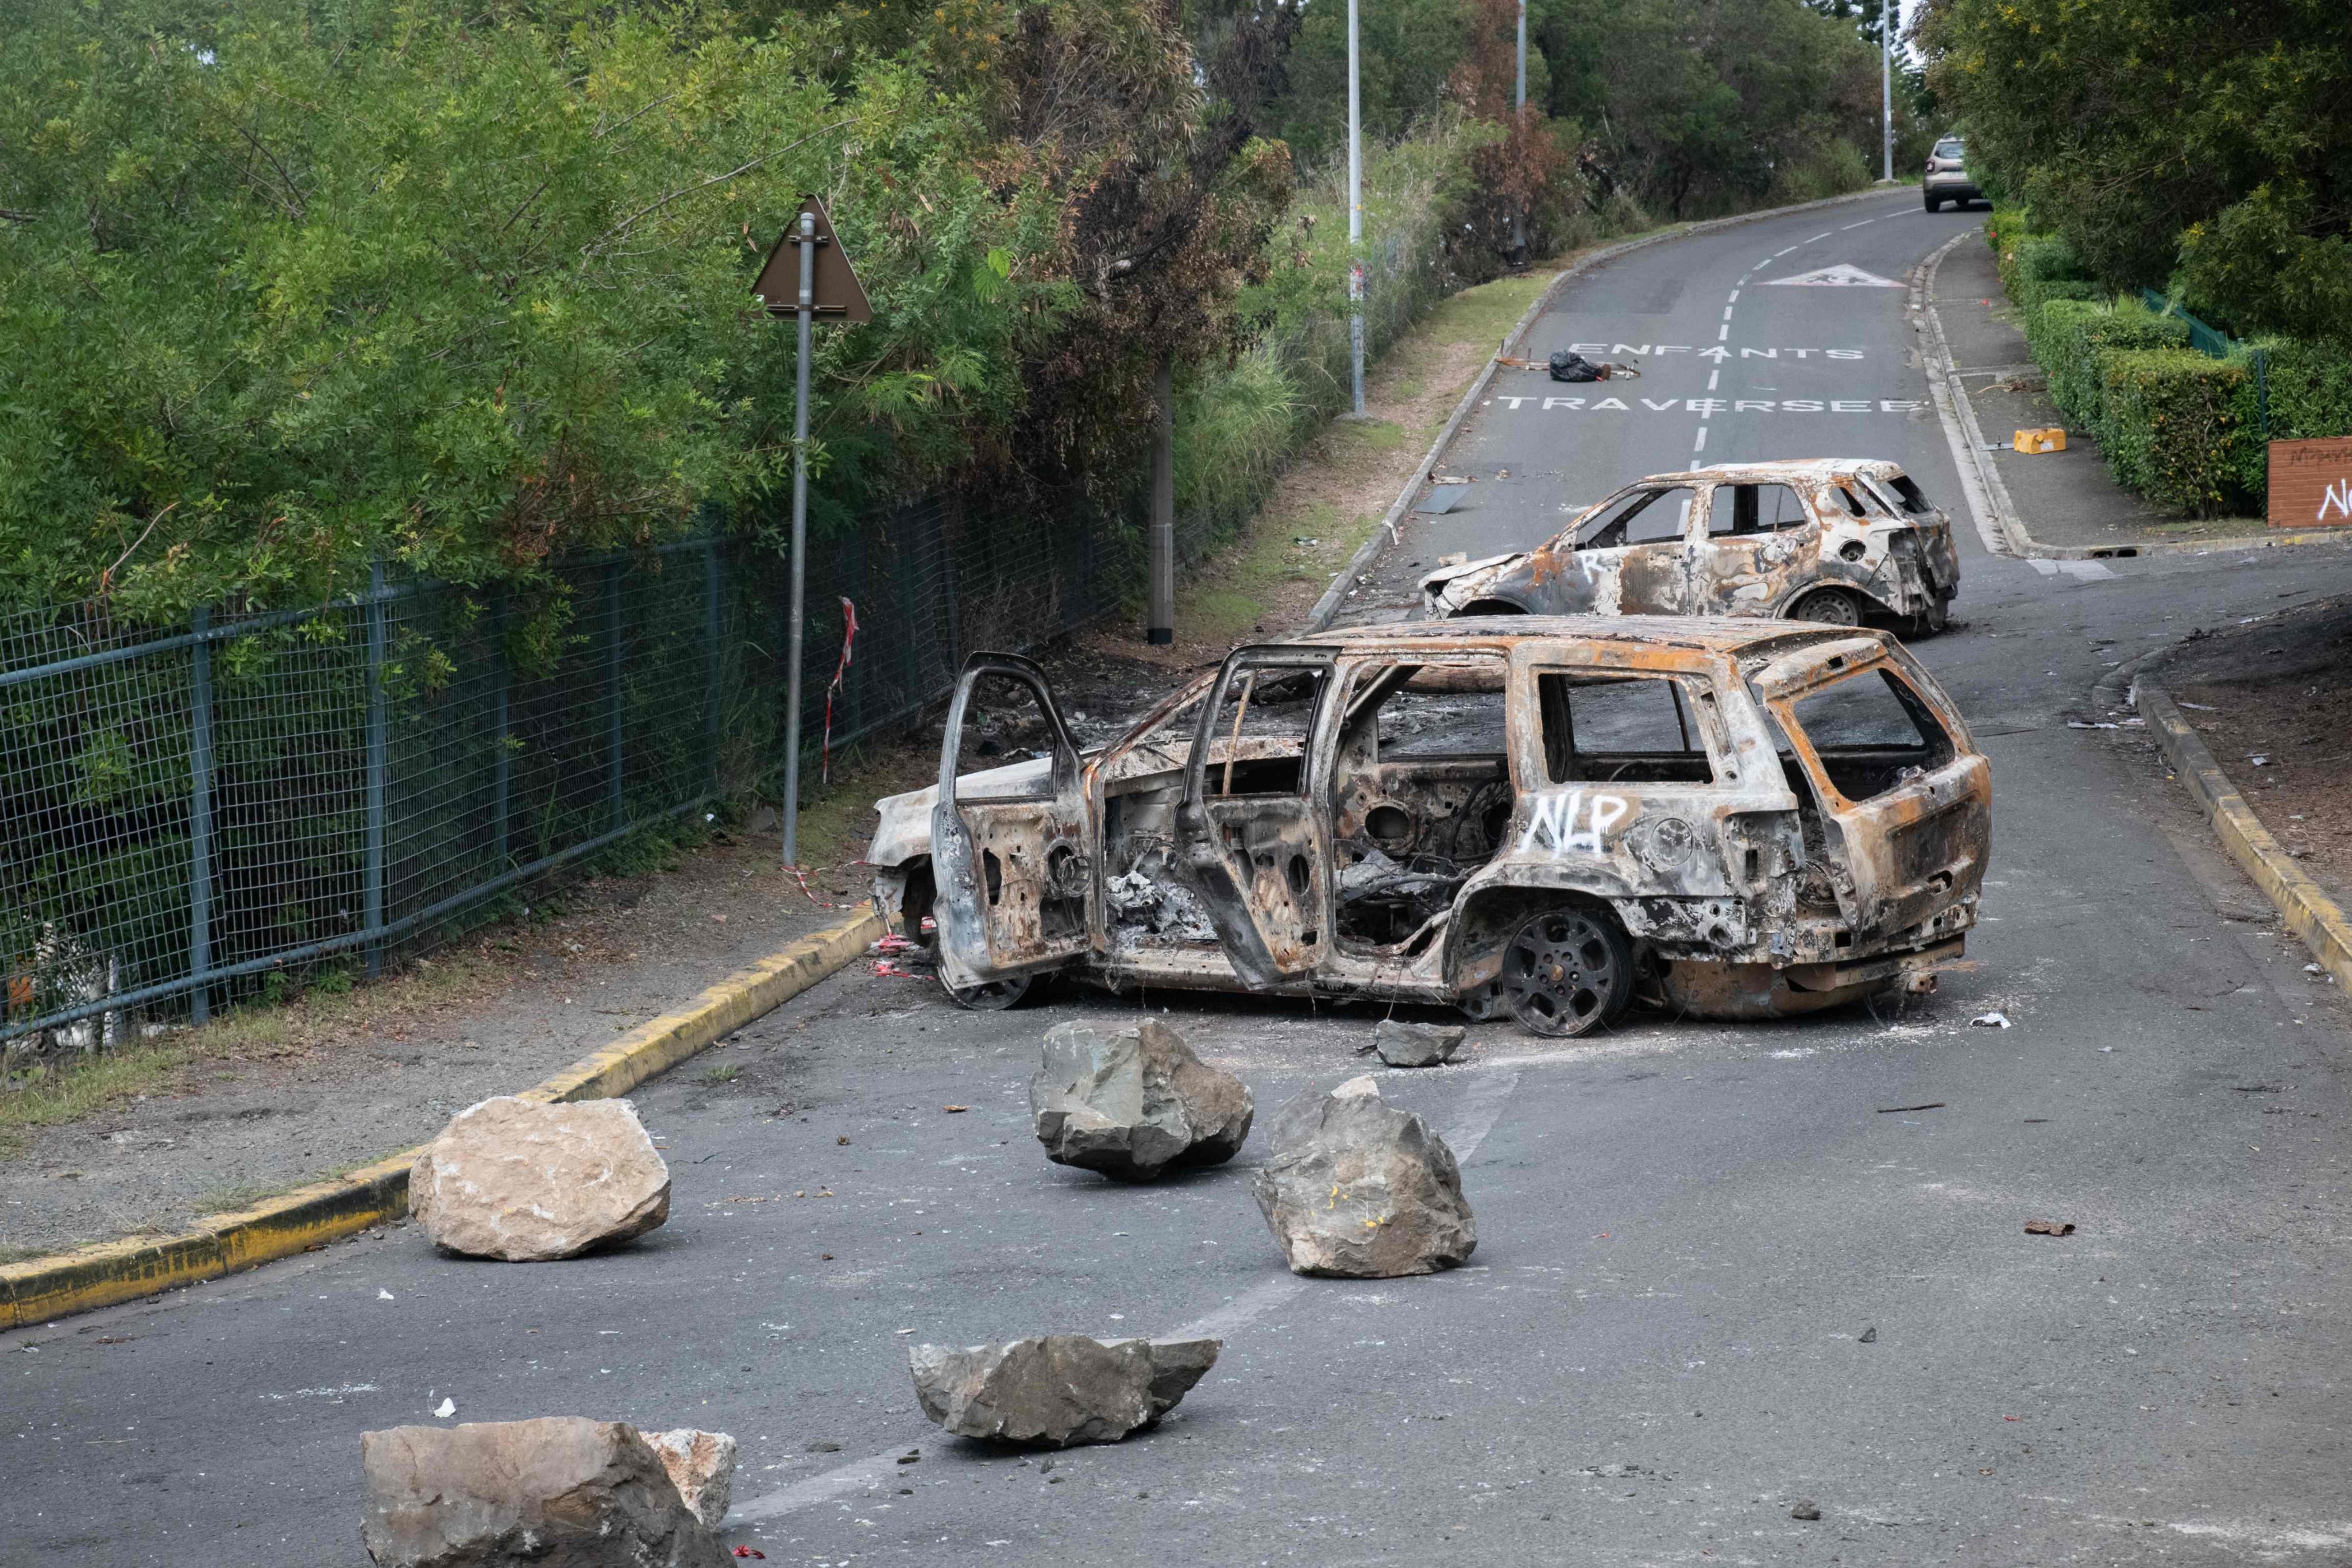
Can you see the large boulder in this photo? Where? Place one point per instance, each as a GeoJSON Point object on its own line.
{"type": "Point", "coordinates": [559, 1492]}
{"type": "Point", "coordinates": [1134, 1104]}
{"type": "Point", "coordinates": [1355, 1187]}
{"type": "Point", "coordinates": [1062, 1389]}
{"type": "Point", "coordinates": [701, 1465]}
{"type": "Point", "coordinates": [527, 1182]}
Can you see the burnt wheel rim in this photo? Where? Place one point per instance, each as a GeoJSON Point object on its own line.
{"type": "Point", "coordinates": [1560, 972]}
{"type": "Point", "coordinates": [989, 996]}
{"type": "Point", "coordinates": [1830, 608]}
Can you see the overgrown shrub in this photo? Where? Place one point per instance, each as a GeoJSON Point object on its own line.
{"type": "Point", "coordinates": [2169, 427]}
{"type": "Point", "coordinates": [2307, 388]}
{"type": "Point", "coordinates": [2073, 333]}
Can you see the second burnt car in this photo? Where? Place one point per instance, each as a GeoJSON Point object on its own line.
{"type": "Point", "coordinates": [1836, 540]}
{"type": "Point", "coordinates": [1549, 818]}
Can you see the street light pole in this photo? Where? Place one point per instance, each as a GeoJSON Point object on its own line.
{"type": "Point", "coordinates": [1355, 220]}
{"type": "Point", "coordinates": [1519, 105]}
{"type": "Point", "coordinates": [1888, 12]}
{"type": "Point", "coordinates": [806, 313]}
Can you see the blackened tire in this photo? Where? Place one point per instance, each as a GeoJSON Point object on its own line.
{"type": "Point", "coordinates": [1829, 607]}
{"type": "Point", "coordinates": [1933, 205]}
{"type": "Point", "coordinates": [994, 996]}
{"type": "Point", "coordinates": [1566, 971]}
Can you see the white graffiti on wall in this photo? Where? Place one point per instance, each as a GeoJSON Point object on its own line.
{"type": "Point", "coordinates": [1555, 827]}
{"type": "Point", "coordinates": [2338, 500]}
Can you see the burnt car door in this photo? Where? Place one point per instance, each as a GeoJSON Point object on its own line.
{"type": "Point", "coordinates": [1760, 541]}
{"type": "Point", "coordinates": [1909, 798]}
{"type": "Point", "coordinates": [1624, 557]}
{"type": "Point", "coordinates": [1252, 829]}
{"type": "Point", "coordinates": [1014, 864]}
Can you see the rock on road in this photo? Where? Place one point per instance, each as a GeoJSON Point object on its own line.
{"type": "Point", "coordinates": [1685, 1229]}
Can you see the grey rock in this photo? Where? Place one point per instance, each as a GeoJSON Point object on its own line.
{"type": "Point", "coordinates": [1868, 1336]}
{"type": "Point", "coordinates": [1062, 1389]}
{"type": "Point", "coordinates": [1135, 1104]}
{"type": "Point", "coordinates": [1358, 1188]}
{"type": "Point", "coordinates": [1806, 1509]}
{"type": "Point", "coordinates": [559, 1492]}
{"type": "Point", "coordinates": [1416, 1045]}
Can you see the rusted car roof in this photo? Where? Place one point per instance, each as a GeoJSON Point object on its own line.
{"type": "Point", "coordinates": [1714, 634]}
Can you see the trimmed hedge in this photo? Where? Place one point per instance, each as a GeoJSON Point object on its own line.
{"type": "Point", "coordinates": [2310, 389]}
{"type": "Point", "coordinates": [2168, 426]}
{"type": "Point", "coordinates": [2067, 336]}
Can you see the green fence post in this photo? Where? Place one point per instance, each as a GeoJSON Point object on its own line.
{"type": "Point", "coordinates": [378, 756]}
{"type": "Point", "coordinates": [612, 689]}
{"type": "Point", "coordinates": [713, 627]}
{"type": "Point", "coordinates": [200, 816]}
{"type": "Point", "coordinates": [502, 752]}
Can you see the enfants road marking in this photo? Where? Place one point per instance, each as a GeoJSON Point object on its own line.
{"type": "Point", "coordinates": [1714, 351]}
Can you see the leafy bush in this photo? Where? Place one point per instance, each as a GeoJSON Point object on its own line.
{"type": "Point", "coordinates": [2073, 336]}
{"type": "Point", "coordinates": [2031, 294]}
{"type": "Point", "coordinates": [2169, 428]}
{"type": "Point", "coordinates": [2309, 393]}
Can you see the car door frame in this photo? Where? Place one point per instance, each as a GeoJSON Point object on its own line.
{"type": "Point", "coordinates": [981, 938]}
{"type": "Point", "coordinates": [1715, 591]}
{"type": "Point", "coordinates": [1247, 903]}
{"type": "Point", "coordinates": [1632, 596]}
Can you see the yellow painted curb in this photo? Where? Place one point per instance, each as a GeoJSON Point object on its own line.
{"type": "Point", "coordinates": [309, 1217]}
{"type": "Point", "coordinates": [2305, 907]}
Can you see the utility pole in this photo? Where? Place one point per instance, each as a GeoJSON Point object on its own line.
{"type": "Point", "coordinates": [1163, 630]}
{"type": "Point", "coordinates": [1888, 13]}
{"type": "Point", "coordinates": [1520, 105]}
{"type": "Point", "coordinates": [826, 286]}
{"type": "Point", "coordinates": [1355, 220]}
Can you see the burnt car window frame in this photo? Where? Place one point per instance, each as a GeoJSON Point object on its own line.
{"type": "Point", "coordinates": [1362, 676]}
{"type": "Point", "coordinates": [1782, 707]}
{"type": "Point", "coordinates": [1700, 700]}
{"type": "Point", "coordinates": [1806, 511]}
{"type": "Point", "coordinates": [1586, 534]}
{"type": "Point", "coordinates": [1064, 762]}
{"type": "Point", "coordinates": [1322, 662]}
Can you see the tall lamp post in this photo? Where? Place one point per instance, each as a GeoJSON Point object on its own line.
{"type": "Point", "coordinates": [1889, 14]}
{"type": "Point", "coordinates": [1519, 105]}
{"type": "Point", "coordinates": [1355, 221]}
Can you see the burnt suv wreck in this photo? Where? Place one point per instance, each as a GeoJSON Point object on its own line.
{"type": "Point", "coordinates": [1835, 540]}
{"type": "Point", "coordinates": [1548, 818]}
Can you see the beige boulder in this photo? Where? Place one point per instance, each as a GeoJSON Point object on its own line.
{"type": "Point", "coordinates": [526, 1182]}
{"type": "Point", "coordinates": [558, 1492]}
{"type": "Point", "coordinates": [702, 1466]}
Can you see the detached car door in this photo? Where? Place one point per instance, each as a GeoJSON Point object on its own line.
{"type": "Point", "coordinates": [1253, 828]}
{"type": "Point", "coordinates": [1910, 797]}
{"type": "Point", "coordinates": [1013, 860]}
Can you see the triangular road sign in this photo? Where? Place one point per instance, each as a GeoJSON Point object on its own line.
{"type": "Point", "coordinates": [1844, 275]}
{"type": "Point", "coordinates": [839, 296]}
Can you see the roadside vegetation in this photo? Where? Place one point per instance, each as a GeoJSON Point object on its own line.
{"type": "Point", "coordinates": [2183, 269]}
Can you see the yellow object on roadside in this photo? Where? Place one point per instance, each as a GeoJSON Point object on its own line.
{"type": "Point", "coordinates": [2051, 440]}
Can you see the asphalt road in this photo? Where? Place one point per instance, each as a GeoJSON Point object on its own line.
{"type": "Point", "coordinates": [1685, 1229]}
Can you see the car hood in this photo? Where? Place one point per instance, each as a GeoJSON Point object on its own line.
{"type": "Point", "coordinates": [1450, 587]}
{"type": "Point", "coordinates": [904, 830]}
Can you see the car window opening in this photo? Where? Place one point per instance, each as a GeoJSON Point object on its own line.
{"type": "Point", "coordinates": [1420, 795]}
{"type": "Point", "coordinates": [1637, 518]}
{"type": "Point", "coordinates": [1620, 730]}
{"type": "Point", "coordinates": [1258, 737]}
{"type": "Point", "coordinates": [1754, 508]}
{"type": "Point", "coordinates": [1871, 733]}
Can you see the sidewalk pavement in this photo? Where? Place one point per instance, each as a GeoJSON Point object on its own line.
{"type": "Point", "coordinates": [268, 1099]}
{"type": "Point", "coordinates": [2065, 499]}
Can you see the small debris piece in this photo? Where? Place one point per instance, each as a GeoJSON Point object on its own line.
{"type": "Point", "coordinates": [527, 1182]}
{"type": "Point", "coordinates": [1134, 1104]}
{"type": "Point", "coordinates": [446, 1409]}
{"type": "Point", "coordinates": [843, 1141]}
{"type": "Point", "coordinates": [1868, 1336]}
{"type": "Point", "coordinates": [1058, 1389]}
{"type": "Point", "coordinates": [701, 1465]}
{"type": "Point", "coordinates": [1892, 1110]}
{"type": "Point", "coordinates": [2050, 1227]}
{"type": "Point", "coordinates": [1357, 1188]}
{"type": "Point", "coordinates": [911, 1456]}
{"type": "Point", "coordinates": [750, 1552]}
{"type": "Point", "coordinates": [1990, 1021]}
{"type": "Point", "coordinates": [502, 1494]}
{"type": "Point", "coordinates": [822, 1446]}
{"type": "Point", "coordinates": [1806, 1509]}
{"type": "Point", "coordinates": [1416, 1045]}
{"type": "Point", "coordinates": [955, 1110]}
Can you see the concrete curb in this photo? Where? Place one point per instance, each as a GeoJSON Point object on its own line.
{"type": "Point", "coordinates": [1327, 607]}
{"type": "Point", "coordinates": [1962, 430]}
{"type": "Point", "coordinates": [2306, 907]}
{"type": "Point", "coordinates": [309, 1217]}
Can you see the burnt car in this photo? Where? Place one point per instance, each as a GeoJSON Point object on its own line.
{"type": "Point", "coordinates": [1546, 817]}
{"type": "Point", "coordinates": [1836, 540]}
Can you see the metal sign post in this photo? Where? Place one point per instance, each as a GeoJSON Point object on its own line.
{"type": "Point", "coordinates": [824, 286]}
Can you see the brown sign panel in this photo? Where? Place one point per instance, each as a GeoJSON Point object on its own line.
{"type": "Point", "coordinates": [839, 296]}
{"type": "Point", "coordinates": [2311, 483]}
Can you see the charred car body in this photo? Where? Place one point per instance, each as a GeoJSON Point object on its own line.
{"type": "Point", "coordinates": [1832, 540]}
{"type": "Point", "coordinates": [1548, 818]}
